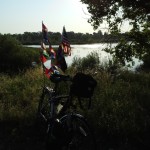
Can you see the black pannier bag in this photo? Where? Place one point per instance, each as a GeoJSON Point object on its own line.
{"type": "Point", "coordinates": [83, 86]}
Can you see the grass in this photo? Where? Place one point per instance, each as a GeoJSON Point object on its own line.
{"type": "Point", "coordinates": [121, 109]}
{"type": "Point", "coordinates": [120, 114]}
{"type": "Point", "coordinates": [19, 94]}
{"type": "Point", "coordinates": [18, 108]}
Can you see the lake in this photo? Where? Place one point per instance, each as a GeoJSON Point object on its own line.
{"type": "Point", "coordinates": [82, 50]}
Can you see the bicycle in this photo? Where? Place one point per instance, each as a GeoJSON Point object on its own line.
{"type": "Point", "coordinates": [66, 129]}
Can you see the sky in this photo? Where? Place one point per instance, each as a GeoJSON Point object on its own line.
{"type": "Point", "coordinates": [19, 16]}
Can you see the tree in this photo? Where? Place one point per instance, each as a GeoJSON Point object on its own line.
{"type": "Point", "coordinates": [115, 13]}
{"type": "Point", "coordinates": [14, 57]}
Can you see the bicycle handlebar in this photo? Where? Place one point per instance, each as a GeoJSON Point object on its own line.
{"type": "Point", "coordinates": [59, 77]}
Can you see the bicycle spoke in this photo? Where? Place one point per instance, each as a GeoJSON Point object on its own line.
{"type": "Point", "coordinates": [81, 137]}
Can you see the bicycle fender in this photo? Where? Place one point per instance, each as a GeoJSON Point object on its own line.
{"type": "Point", "coordinates": [72, 115]}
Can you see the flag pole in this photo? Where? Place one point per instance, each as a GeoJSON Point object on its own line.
{"type": "Point", "coordinates": [42, 63]}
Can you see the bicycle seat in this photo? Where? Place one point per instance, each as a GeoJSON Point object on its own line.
{"type": "Point", "coordinates": [56, 78]}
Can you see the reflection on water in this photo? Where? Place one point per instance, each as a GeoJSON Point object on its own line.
{"type": "Point", "coordinates": [81, 51]}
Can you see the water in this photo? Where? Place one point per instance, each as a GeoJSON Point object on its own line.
{"type": "Point", "coordinates": [80, 51]}
{"type": "Point", "coordinates": [83, 50]}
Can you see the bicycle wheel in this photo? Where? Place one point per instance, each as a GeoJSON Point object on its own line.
{"type": "Point", "coordinates": [78, 135]}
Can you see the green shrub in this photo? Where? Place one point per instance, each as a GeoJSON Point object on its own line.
{"type": "Point", "coordinates": [14, 57]}
{"type": "Point", "coordinates": [86, 63]}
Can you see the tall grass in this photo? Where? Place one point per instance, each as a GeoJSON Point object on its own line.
{"type": "Point", "coordinates": [120, 106]}
{"type": "Point", "coordinates": [19, 94]}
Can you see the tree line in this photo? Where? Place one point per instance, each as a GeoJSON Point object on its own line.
{"type": "Point", "coordinates": [34, 38]}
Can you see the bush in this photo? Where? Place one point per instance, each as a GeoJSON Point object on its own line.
{"type": "Point", "coordinates": [87, 63]}
{"type": "Point", "coordinates": [14, 57]}
{"type": "Point", "coordinates": [146, 64]}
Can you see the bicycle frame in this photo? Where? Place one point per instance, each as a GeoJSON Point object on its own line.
{"type": "Point", "coordinates": [72, 126]}
{"type": "Point", "coordinates": [53, 99]}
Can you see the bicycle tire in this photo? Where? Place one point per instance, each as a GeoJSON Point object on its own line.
{"type": "Point", "coordinates": [79, 135]}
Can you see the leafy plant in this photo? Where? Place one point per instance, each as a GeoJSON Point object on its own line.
{"type": "Point", "coordinates": [14, 57]}
{"type": "Point", "coordinates": [117, 13]}
{"type": "Point", "coordinates": [91, 62]}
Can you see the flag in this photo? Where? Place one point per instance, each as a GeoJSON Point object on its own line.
{"type": "Point", "coordinates": [63, 49]}
{"type": "Point", "coordinates": [52, 52]}
{"type": "Point", "coordinates": [47, 55]}
{"type": "Point", "coordinates": [46, 64]}
{"type": "Point", "coordinates": [45, 33]}
{"type": "Point", "coordinates": [42, 58]}
{"type": "Point", "coordinates": [53, 70]}
{"type": "Point", "coordinates": [65, 42]}
{"type": "Point", "coordinates": [47, 72]}
{"type": "Point", "coordinates": [54, 62]}
{"type": "Point", "coordinates": [60, 60]}
{"type": "Point", "coordinates": [45, 59]}
{"type": "Point", "coordinates": [47, 41]}
{"type": "Point", "coordinates": [44, 51]}
{"type": "Point", "coordinates": [43, 46]}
